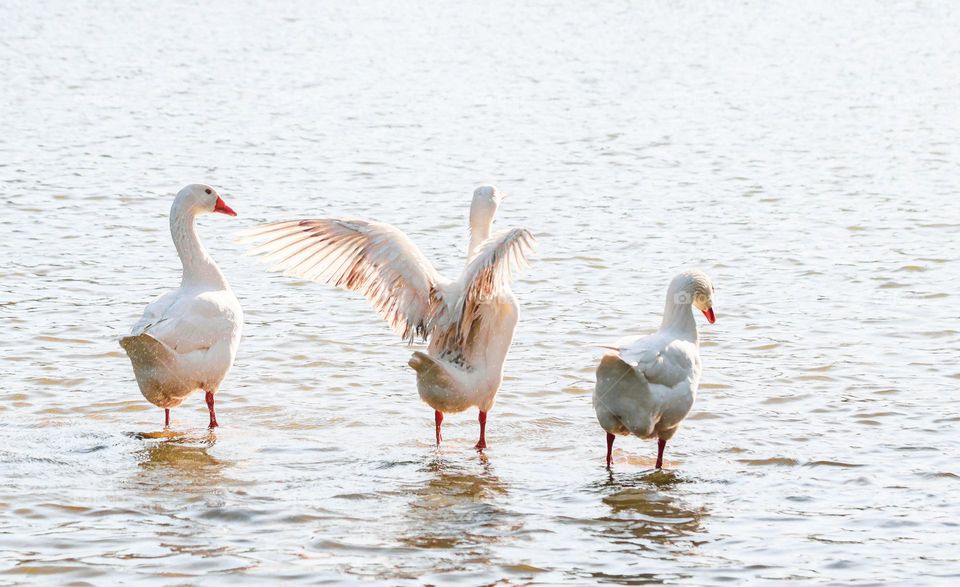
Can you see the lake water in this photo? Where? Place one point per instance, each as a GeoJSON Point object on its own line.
{"type": "Point", "coordinates": [804, 154]}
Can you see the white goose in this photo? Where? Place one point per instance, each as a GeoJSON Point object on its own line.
{"type": "Point", "coordinates": [469, 322]}
{"type": "Point", "coordinates": [647, 385]}
{"type": "Point", "coordinates": [188, 337]}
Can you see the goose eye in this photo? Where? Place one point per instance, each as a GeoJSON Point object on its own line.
{"type": "Point", "coordinates": [208, 190]}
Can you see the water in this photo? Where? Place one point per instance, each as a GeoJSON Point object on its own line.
{"type": "Point", "coordinates": [804, 154]}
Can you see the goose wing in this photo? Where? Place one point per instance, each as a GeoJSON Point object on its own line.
{"type": "Point", "coordinates": [191, 323]}
{"type": "Point", "coordinates": [486, 277]}
{"type": "Point", "coordinates": [664, 362]}
{"type": "Point", "coordinates": [373, 259]}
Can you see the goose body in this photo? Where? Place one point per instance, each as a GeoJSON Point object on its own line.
{"type": "Point", "coordinates": [187, 338]}
{"type": "Point", "coordinates": [450, 383]}
{"type": "Point", "coordinates": [468, 322]}
{"type": "Point", "coordinates": [647, 385]}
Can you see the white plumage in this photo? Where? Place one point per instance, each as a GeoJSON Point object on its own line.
{"type": "Point", "coordinates": [188, 337]}
{"type": "Point", "coordinates": [647, 385]}
{"type": "Point", "coordinates": [469, 322]}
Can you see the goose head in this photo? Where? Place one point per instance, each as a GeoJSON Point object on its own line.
{"type": "Point", "coordinates": [695, 288]}
{"type": "Point", "coordinates": [486, 200]}
{"type": "Point", "coordinates": [202, 199]}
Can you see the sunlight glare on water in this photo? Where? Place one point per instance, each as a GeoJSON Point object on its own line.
{"type": "Point", "coordinates": [804, 154]}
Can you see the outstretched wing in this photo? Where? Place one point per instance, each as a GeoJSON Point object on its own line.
{"type": "Point", "coordinates": [370, 258]}
{"type": "Point", "coordinates": [487, 275]}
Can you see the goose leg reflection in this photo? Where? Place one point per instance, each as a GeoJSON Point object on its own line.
{"type": "Point", "coordinates": [661, 444]}
{"type": "Point", "coordinates": [482, 443]}
{"type": "Point", "coordinates": [213, 413]}
{"type": "Point", "coordinates": [438, 417]}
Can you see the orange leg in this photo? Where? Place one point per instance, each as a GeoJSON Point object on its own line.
{"type": "Point", "coordinates": [610, 438]}
{"type": "Point", "coordinates": [661, 444]}
{"type": "Point", "coordinates": [482, 443]}
{"type": "Point", "coordinates": [438, 416]}
{"type": "Point", "coordinates": [213, 413]}
{"type": "Point", "coordinates": [166, 417]}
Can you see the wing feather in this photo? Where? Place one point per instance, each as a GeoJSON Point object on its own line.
{"type": "Point", "coordinates": [373, 259]}
{"type": "Point", "coordinates": [488, 274]}
{"type": "Point", "coordinates": [660, 360]}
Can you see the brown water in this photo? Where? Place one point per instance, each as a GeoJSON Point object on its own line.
{"type": "Point", "coordinates": [804, 154]}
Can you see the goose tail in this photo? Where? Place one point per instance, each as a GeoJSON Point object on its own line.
{"type": "Point", "coordinates": [155, 366]}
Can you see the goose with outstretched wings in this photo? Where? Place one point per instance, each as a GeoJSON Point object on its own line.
{"type": "Point", "coordinates": [468, 322]}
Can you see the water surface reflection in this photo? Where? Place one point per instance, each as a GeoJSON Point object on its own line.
{"type": "Point", "coordinates": [459, 508]}
{"type": "Point", "coordinates": [181, 462]}
{"type": "Point", "coordinates": [647, 507]}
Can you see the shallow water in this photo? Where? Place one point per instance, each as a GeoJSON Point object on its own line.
{"type": "Point", "coordinates": [804, 154]}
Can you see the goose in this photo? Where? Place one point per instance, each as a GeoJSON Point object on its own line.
{"type": "Point", "coordinates": [468, 322]}
{"type": "Point", "coordinates": [188, 337]}
{"type": "Point", "coordinates": [647, 385]}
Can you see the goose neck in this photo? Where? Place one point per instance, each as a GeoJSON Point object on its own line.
{"type": "Point", "coordinates": [481, 223]}
{"type": "Point", "coordinates": [199, 267]}
{"type": "Point", "coordinates": [678, 319]}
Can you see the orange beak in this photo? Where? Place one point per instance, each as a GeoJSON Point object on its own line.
{"type": "Point", "coordinates": [709, 314]}
{"type": "Point", "coordinates": [222, 208]}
